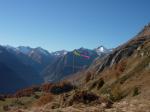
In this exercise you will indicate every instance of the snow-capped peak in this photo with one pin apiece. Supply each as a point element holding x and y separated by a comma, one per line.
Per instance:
<point>60,53</point>
<point>101,49</point>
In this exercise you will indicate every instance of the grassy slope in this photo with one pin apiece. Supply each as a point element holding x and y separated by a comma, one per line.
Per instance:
<point>23,102</point>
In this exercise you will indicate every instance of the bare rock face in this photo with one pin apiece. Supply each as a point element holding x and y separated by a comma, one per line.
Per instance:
<point>126,50</point>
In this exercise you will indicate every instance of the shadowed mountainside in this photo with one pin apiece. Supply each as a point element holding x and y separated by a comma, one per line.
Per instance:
<point>70,64</point>
<point>116,82</point>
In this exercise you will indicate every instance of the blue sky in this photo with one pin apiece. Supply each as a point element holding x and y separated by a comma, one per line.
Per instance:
<point>70,24</point>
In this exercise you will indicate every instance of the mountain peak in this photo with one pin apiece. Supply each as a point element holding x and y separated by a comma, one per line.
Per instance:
<point>101,49</point>
<point>148,25</point>
<point>24,49</point>
<point>39,48</point>
<point>60,53</point>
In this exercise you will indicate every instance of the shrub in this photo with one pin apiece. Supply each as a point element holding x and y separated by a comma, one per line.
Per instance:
<point>84,97</point>
<point>136,91</point>
<point>100,83</point>
<point>62,87</point>
<point>2,98</point>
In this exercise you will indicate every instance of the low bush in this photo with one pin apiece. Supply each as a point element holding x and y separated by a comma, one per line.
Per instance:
<point>136,91</point>
<point>84,97</point>
<point>100,83</point>
<point>62,87</point>
<point>2,98</point>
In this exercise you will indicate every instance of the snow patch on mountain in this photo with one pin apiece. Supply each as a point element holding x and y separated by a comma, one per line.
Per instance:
<point>60,53</point>
<point>102,50</point>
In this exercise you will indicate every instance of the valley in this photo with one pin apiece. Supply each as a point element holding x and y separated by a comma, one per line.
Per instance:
<point>114,81</point>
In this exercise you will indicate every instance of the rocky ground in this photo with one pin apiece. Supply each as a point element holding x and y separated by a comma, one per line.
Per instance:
<point>134,105</point>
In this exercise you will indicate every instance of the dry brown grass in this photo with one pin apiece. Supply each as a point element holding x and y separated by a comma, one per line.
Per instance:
<point>46,87</point>
<point>45,99</point>
<point>26,92</point>
<point>88,76</point>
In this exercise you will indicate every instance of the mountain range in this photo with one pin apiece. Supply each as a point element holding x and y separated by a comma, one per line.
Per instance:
<point>32,66</point>
<point>69,64</point>
<point>96,80</point>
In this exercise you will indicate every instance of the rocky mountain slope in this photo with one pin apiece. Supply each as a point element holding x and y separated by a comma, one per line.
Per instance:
<point>126,64</point>
<point>38,57</point>
<point>71,63</point>
<point>26,66</point>
<point>117,82</point>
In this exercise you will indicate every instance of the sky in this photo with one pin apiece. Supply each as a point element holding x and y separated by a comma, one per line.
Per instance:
<point>70,24</point>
